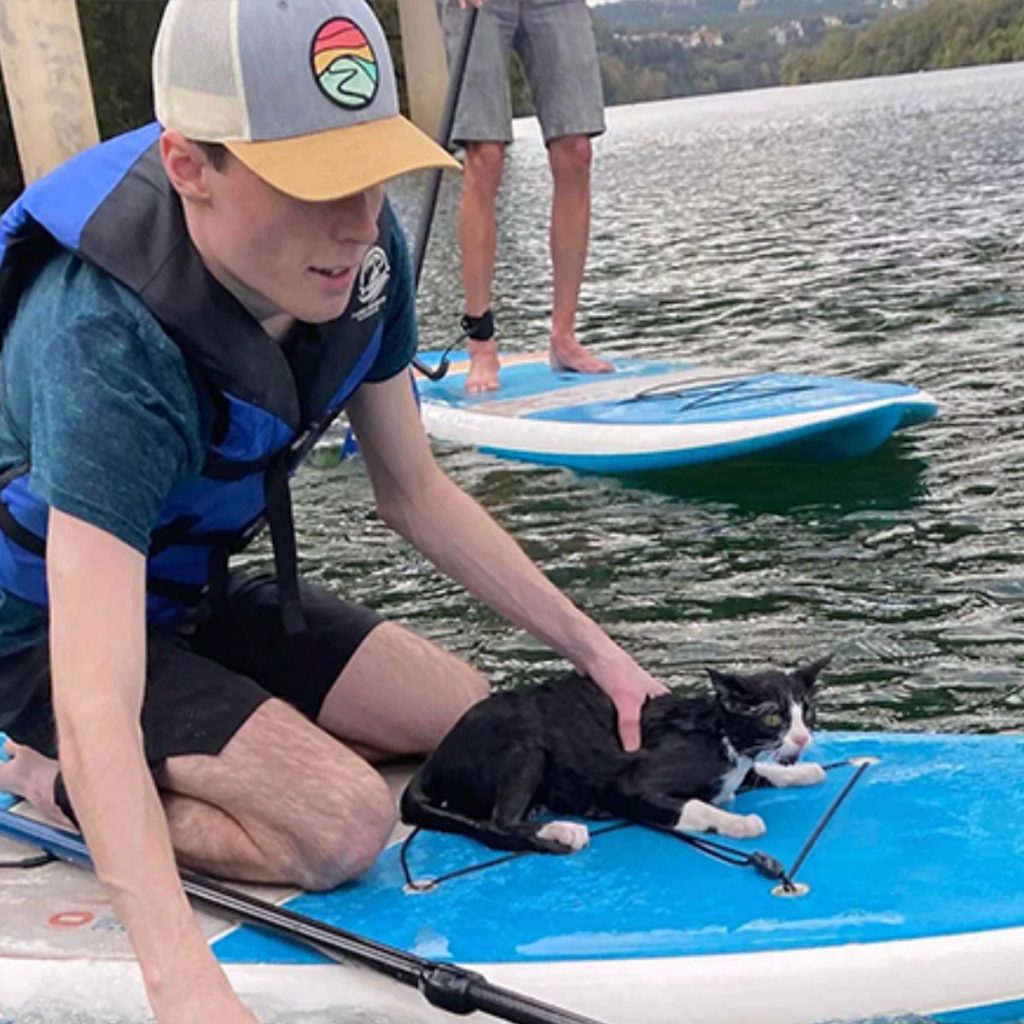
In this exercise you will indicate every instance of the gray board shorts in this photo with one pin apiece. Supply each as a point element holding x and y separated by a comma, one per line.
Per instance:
<point>554,40</point>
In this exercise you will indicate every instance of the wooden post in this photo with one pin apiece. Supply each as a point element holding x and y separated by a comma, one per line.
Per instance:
<point>426,69</point>
<point>47,82</point>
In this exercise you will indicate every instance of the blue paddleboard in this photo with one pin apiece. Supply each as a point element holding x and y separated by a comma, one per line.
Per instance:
<point>910,904</point>
<point>660,415</point>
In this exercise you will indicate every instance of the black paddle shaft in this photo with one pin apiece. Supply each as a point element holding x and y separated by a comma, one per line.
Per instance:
<point>446,986</point>
<point>444,138</point>
<point>451,102</point>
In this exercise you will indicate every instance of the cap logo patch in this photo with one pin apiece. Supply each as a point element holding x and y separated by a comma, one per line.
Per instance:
<point>344,64</point>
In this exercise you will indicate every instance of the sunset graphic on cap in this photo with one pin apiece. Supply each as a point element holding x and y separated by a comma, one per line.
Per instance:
<point>344,63</point>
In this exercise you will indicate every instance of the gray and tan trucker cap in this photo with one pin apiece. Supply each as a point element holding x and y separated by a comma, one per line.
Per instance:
<point>302,91</point>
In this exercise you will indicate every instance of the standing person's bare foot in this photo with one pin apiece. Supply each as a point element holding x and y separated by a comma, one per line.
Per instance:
<point>30,775</point>
<point>483,366</point>
<point>568,354</point>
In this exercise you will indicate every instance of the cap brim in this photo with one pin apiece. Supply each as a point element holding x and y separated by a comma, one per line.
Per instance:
<point>342,161</point>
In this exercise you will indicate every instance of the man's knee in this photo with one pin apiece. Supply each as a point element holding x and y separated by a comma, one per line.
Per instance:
<point>571,156</point>
<point>349,831</point>
<point>485,162</point>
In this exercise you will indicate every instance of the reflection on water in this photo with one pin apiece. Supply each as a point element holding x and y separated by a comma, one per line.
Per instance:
<point>865,228</point>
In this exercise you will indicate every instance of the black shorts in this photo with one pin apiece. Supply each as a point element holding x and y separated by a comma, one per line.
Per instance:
<point>204,680</point>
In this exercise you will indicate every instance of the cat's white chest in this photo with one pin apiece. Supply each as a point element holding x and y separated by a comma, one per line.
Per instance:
<point>733,777</point>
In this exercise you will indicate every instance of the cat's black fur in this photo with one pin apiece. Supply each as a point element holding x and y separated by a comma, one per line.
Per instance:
<point>555,747</point>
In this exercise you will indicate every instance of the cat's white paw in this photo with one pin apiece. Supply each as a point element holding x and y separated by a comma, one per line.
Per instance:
<point>809,774</point>
<point>569,834</point>
<point>742,826</point>
<point>784,775</point>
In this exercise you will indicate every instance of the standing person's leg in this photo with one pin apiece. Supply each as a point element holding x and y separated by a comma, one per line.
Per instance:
<point>570,156</point>
<point>478,244</point>
<point>560,56</point>
<point>483,126</point>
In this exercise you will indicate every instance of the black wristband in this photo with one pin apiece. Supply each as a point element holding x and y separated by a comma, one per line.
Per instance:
<point>479,328</point>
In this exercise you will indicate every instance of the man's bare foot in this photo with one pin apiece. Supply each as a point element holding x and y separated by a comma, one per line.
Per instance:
<point>568,354</point>
<point>30,775</point>
<point>483,366</point>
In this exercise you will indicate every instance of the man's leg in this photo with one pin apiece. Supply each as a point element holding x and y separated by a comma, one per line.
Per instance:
<point>560,57</point>
<point>30,775</point>
<point>283,802</point>
<point>478,242</point>
<point>287,802</point>
<point>570,158</point>
<point>426,691</point>
<point>483,124</point>
<point>252,788</point>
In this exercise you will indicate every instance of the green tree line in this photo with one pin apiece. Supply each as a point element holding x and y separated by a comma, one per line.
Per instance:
<point>944,34</point>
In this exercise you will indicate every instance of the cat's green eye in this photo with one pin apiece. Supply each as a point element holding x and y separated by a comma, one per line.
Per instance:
<point>773,719</point>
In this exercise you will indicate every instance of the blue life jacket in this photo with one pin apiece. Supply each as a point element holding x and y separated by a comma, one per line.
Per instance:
<point>114,207</point>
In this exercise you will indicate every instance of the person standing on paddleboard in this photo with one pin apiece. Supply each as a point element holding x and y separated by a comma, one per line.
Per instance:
<point>555,41</point>
<point>183,309</point>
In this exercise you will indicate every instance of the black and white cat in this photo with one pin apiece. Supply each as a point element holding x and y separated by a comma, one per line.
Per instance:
<point>555,747</point>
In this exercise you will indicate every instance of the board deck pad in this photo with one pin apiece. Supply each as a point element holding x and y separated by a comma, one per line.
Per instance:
<point>925,844</point>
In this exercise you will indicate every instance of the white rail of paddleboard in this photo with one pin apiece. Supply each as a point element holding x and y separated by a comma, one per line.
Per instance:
<point>557,437</point>
<point>922,976</point>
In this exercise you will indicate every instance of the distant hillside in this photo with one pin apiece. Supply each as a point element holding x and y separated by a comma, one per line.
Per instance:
<point>667,15</point>
<point>945,34</point>
<point>656,49</point>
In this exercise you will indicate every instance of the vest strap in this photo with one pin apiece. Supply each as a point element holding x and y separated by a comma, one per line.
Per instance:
<point>282,535</point>
<point>219,468</point>
<point>21,535</point>
<point>188,594</point>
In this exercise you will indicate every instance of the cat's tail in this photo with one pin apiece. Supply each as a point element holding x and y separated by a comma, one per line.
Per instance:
<point>419,809</point>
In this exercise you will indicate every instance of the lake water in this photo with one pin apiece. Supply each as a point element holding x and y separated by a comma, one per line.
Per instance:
<point>871,228</point>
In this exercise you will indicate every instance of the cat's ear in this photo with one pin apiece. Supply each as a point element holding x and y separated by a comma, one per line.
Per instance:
<point>808,674</point>
<point>729,687</point>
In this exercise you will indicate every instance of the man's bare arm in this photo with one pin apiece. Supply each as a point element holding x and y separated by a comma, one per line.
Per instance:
<point>417,500</point>
<point>98,652</point>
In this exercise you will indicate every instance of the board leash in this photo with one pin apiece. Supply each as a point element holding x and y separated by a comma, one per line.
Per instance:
<point>765,864</point>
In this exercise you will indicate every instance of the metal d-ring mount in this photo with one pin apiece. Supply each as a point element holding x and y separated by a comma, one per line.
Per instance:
<point>791,889</point>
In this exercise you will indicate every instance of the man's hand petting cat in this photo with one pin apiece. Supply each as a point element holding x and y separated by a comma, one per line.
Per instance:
<point>629,687</point>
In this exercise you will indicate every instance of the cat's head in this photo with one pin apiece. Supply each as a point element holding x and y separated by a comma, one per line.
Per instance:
<point>769,711</point>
